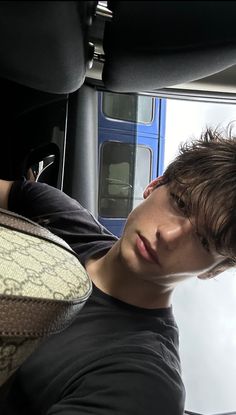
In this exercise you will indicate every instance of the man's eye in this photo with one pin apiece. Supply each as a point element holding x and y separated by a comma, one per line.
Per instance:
<point>204,243</point>
<point>179,203</point>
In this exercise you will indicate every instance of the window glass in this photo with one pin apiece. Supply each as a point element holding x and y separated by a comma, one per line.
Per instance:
<point>205,310</point>
<point>125,172</point>
<point>126,107</point>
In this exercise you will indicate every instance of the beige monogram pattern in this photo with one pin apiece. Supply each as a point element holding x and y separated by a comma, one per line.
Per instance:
<point>13,352</point>
<point>42,288</point>
<point>34,267</point>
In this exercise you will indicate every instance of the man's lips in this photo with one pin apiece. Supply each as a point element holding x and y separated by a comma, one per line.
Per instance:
<point>146,250</point>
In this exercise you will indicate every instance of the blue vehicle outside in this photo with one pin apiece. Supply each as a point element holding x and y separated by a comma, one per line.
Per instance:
<point>131,139</point>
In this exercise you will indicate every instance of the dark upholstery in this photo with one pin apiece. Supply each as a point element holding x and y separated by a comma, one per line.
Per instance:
<point>155,44</point>
<point>43,44</point>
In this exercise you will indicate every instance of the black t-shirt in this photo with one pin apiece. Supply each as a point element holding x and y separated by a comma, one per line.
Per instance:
<point>115,358</point>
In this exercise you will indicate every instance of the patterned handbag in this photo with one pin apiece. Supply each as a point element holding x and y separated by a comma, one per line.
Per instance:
<point>42,288</point>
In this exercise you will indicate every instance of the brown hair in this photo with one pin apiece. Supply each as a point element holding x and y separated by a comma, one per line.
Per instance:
<point>204,176</point>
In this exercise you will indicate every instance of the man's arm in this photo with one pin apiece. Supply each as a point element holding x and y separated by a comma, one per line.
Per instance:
<point>59,213</point>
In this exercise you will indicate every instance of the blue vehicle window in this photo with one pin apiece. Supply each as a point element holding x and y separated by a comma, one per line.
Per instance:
<point>131,144</point>
<point>125,172</point>
<point>126,107</point>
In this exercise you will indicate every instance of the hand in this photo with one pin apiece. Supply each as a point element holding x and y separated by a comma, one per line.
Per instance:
<point>5,187</point>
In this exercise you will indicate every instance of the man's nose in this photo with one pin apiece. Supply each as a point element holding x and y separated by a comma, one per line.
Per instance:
<point>172,233</point>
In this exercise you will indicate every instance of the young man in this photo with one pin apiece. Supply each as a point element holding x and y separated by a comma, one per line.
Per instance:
<point>120,356</point>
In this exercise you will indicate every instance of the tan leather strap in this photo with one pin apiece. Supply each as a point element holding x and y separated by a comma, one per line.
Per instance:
<point>17,222</point>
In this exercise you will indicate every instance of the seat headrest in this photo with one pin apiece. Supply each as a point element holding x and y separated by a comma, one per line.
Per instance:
<point>150,45</point>
<point>43,44</point>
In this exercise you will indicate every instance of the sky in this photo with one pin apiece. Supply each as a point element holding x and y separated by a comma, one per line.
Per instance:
<point>205,310</point>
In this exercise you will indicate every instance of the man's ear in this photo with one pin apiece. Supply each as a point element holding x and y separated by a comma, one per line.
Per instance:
<point>216,270</point>
<point>153,185</point>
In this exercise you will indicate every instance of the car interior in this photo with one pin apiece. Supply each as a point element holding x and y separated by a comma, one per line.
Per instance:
<point>56,56</point>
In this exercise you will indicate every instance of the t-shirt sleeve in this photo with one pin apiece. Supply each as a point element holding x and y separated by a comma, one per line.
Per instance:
<point>139,387</point>
<point>62,215</point>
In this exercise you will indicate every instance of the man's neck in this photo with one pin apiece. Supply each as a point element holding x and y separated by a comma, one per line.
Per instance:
<point>110,276</point>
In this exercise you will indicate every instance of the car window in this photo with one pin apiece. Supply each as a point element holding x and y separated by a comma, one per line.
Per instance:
<point>124,174</point>
<point>128,107</point>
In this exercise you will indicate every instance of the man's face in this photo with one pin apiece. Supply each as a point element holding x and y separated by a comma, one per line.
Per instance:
<point>160,243</point>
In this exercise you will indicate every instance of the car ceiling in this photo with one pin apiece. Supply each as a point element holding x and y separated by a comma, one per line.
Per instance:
<point>173,46</point>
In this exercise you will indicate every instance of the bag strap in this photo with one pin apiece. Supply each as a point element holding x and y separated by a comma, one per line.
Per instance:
<point>37,317</point>
<point>19,223</point>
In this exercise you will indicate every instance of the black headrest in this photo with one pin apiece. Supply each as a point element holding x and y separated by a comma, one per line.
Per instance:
<point>154,44</point>
<point>43,44</point>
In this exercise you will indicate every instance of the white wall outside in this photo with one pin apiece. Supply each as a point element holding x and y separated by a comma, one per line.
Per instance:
<point>205,310</point>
